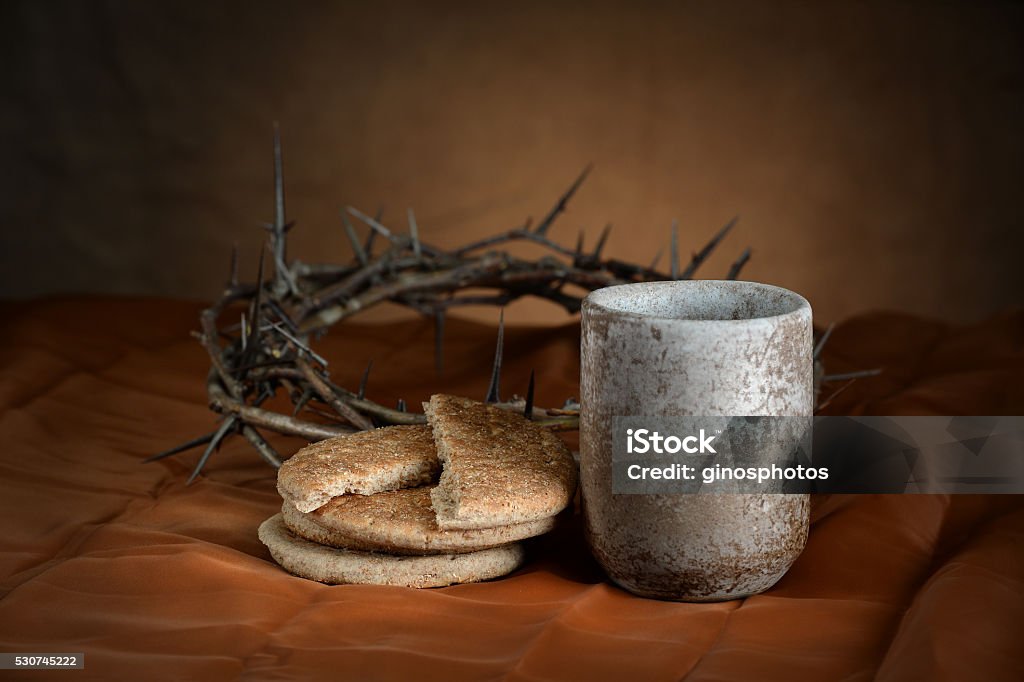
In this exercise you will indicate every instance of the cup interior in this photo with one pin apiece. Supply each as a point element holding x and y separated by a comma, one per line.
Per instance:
<point>699,300</point>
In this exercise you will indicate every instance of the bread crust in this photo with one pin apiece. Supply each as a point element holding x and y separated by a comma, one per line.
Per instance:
<point>339,566</point>
<point>498,467</point>
<point>362,463</point>
<point>399,522</point>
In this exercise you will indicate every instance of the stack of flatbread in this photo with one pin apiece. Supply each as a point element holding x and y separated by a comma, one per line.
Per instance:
<point>421,506</point>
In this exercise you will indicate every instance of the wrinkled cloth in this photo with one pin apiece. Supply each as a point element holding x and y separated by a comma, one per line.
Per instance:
<point>155,580</point>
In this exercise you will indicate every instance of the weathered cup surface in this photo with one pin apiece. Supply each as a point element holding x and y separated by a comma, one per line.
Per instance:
<point>701,348</point>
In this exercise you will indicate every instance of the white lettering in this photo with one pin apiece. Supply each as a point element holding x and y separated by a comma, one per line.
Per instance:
<point>642,441</point>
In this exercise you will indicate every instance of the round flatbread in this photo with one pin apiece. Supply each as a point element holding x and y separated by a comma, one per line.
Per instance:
<point>498,467</point>
<point>362,463</point>
<point>398,522</point>
<point>306,528</point>
<point>339,566</point>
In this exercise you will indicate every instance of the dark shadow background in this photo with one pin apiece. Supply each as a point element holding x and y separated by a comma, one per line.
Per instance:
<point>873,150</point>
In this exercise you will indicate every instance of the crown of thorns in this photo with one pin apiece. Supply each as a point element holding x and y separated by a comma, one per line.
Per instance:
<point>259,335</point>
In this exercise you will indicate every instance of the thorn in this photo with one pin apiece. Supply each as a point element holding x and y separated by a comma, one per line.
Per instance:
<point>579,245</point>
<point>214,443</point>
<point>700,256</point>
<point>373,224</point>
<point>734,271</point>
<point>528,409</point>
<point>302,347</point>
<point>278,181</point>
<point>822,341</point>
<point>493,391</point>
<point>282,315</point>
<point>657,258</point>
<point>245,333</point>
<point>376,226</point>
<point>372,237</point>
<point>265,450</point>
<point>828,401</point>
<point>439,320</point>
<point>195,442</point>
<point>401,405</point>
<point>350,232</point>
<point>861,374</point>
<point>283,278</point>
<point>254,311</point>
<point>365,380</point>
<point>674,250</point>
<point>414,234</point>
<point>307,394</point>
<point>264,395</point>
<point>601,241</point>
<point>233,269</point>
<point>560,205</point>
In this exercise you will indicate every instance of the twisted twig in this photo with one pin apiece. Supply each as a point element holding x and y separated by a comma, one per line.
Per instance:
<point>267,347</point>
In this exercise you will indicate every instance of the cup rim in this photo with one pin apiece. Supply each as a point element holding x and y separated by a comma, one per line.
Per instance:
<point>599,299</point>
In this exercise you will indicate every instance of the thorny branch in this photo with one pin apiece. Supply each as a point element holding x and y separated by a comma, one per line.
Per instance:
<point>267,347</point>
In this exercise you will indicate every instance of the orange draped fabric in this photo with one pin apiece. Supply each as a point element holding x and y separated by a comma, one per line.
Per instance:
<point>155,580</point>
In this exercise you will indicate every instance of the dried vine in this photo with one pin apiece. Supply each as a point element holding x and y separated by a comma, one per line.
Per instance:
<point>267,347</point>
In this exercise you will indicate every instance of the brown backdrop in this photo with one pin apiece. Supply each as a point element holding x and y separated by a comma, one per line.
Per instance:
<point>872,150</point>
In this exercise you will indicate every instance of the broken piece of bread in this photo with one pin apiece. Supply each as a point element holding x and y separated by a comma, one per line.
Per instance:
<point>363,463</point>
<point>498,467</point>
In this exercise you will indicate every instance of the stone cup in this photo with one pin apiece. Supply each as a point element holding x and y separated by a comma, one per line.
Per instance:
<point>691,348</point>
